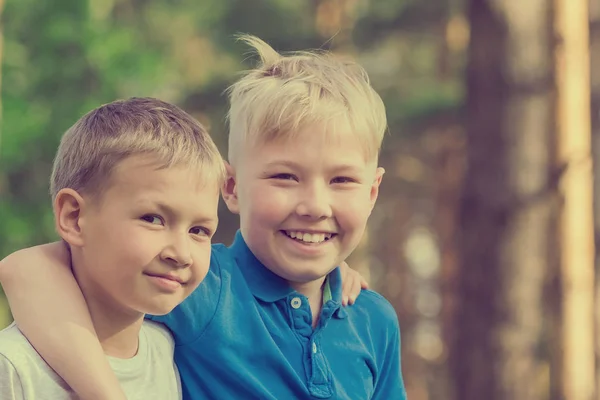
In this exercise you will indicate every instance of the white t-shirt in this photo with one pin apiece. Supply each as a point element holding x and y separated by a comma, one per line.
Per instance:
<point>150,374</point>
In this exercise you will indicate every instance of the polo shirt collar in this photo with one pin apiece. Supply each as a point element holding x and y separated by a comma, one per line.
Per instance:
<point>263,283</point>
<point>333,285</point>
<point>270,287</point>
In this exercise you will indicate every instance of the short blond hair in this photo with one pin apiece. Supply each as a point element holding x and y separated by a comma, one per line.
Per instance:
<point>285,93</point>
<point>96,143</point>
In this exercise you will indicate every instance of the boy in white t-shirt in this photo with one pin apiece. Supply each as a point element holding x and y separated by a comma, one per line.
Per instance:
<point>135,189</point>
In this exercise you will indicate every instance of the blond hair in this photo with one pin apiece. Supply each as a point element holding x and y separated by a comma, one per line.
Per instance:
<point>285,93</point>
<point>102,138</point>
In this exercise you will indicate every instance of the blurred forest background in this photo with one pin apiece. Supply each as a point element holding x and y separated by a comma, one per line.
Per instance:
<point>483,237</point>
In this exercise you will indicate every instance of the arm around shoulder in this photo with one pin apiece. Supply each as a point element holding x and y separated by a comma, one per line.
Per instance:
<point>50,309</point>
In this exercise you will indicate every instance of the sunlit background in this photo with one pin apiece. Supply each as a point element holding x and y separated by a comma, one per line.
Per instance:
<point>488,105</point>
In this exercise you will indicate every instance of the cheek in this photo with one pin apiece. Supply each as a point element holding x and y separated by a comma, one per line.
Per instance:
<point>266,203</point>
<point>352,210</point>
<point>199,268</point>
<point>131,246</point>
<point>201,263</point>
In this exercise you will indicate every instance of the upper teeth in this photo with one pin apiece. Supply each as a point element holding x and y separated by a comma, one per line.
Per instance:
<point>309,237</point>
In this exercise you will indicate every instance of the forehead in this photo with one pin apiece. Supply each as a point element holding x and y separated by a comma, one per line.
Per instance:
<point>333,142</point>
<point>143,176</point>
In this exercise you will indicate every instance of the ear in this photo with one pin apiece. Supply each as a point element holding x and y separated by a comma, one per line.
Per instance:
<point>68,210</point>
<point>375,186</point>
<point>229,190</point>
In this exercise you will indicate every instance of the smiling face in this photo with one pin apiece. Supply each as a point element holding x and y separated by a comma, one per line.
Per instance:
<point>145,244</point>
<point>304,202</point>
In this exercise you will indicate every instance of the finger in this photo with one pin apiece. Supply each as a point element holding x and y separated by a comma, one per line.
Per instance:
<point>363,283</point>
<point>345,291</point>
<point>345,285</point>
<point>355,292</point>
<point>345,288</point>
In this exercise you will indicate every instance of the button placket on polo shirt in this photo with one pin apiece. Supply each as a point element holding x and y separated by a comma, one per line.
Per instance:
<point>301,317</point>
<point>320,383</point>
<point>316,367</point>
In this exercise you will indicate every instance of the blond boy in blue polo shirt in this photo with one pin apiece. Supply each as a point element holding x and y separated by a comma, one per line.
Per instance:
<point>267,321</point>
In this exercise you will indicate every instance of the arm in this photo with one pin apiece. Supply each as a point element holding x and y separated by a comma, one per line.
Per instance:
<point>43,293</point>
<point>11,387</point>
<point>389,384</point>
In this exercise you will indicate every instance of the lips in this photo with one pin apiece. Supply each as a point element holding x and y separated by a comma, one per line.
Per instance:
<point>170,277</point>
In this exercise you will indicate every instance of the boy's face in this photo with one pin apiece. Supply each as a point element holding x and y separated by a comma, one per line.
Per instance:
<point>146,243</point>
<point>304,202</point>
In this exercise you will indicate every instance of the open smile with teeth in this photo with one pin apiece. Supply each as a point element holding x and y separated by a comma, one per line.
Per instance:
<point>306,237</point>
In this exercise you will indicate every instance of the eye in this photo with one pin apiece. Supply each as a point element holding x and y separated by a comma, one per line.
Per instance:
<point>343,179</point>
<point>153,219</point>
<point>285,177</point>
<point>200,231</point>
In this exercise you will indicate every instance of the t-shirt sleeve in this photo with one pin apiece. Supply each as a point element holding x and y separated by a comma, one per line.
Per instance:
<point>188,321</point>
<point>389,383</point>
<point>11,387</point>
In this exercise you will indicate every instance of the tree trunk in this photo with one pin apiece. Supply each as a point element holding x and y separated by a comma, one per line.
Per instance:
<point>595,107</point>
<point>506,206</point>
<point>576,216</point>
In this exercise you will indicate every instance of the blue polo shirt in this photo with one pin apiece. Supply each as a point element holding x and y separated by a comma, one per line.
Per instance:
<point>246,334</point>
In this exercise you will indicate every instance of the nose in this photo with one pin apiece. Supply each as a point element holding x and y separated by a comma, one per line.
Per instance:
<point>177,252</point>
<point>314,202</point>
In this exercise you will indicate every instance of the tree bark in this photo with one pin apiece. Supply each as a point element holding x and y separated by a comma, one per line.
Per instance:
<point>506,205</point>
<point>576,230</point>
<point>595,117</point>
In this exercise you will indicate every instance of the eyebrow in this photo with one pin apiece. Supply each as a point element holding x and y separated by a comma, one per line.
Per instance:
<point>294,165</point>
<point>283,163</point>
<point>170,211</point>
<point>346,168</point>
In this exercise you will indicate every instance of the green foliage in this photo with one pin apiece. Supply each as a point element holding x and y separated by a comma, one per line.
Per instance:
<point>64,57</point>
<point>61,58</point>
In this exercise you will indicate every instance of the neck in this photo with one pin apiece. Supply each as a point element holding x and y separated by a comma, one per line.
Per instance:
<point>313,290</point>
<point>116,326</point>
<point>118,333</point>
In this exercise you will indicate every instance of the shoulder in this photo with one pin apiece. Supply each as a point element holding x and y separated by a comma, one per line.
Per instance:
<point>22,370</point>
<point>11,385</point>
<point>15,346</point>
<point>220,255</point>
<point>375,310</point>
